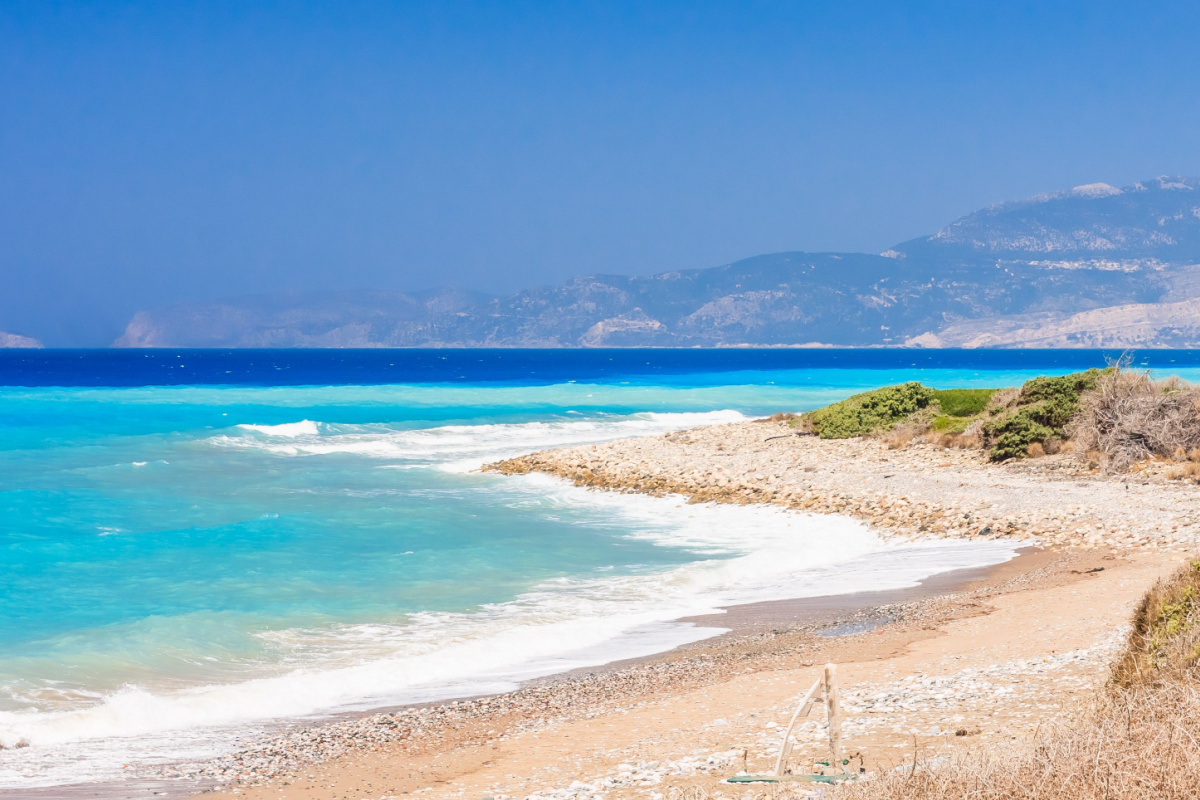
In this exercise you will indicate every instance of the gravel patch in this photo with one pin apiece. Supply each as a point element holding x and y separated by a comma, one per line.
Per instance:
<point>920,490</point>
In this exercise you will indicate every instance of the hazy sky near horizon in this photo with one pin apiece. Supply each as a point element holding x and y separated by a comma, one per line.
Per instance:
<point>155,153</point>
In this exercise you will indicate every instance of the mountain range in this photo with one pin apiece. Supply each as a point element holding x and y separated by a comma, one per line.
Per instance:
<point>1088,267</point>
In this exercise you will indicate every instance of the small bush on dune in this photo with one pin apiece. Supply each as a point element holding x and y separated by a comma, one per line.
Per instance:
<point>882,410</point>
<point>1130,417</point>
<point>1110,417</point>
<point>1165,641</point>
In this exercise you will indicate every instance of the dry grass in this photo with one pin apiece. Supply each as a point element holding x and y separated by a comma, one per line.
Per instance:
<point>1164,644</point>
<point>960,441</point>
<point>1189,471</point>
<point>1136,744</point>
<point>1128,418</point>
<point>1141,738</point>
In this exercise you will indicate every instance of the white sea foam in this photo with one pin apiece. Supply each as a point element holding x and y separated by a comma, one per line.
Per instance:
<point>288,430</point>
<point>459,448</point>
<point>745,554</point>
<point>758,553</point>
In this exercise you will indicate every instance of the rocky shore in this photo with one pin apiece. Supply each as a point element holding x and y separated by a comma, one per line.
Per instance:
<point>917,490</point>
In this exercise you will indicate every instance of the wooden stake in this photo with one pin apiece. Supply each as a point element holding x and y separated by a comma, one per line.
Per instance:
<point>801,711</point>
<point>833,713</point>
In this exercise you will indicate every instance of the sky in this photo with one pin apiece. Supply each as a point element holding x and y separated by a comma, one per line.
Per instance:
<point>161,153</point>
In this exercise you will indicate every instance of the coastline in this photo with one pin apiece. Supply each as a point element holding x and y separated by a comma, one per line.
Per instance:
<point>498,745</point>
<point>756,632</point>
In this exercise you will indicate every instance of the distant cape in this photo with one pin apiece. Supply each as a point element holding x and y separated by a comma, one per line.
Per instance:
<point>15,340</point>
<point>1093,266</point>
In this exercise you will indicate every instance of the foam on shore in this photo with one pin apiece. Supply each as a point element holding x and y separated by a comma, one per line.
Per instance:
<point>742,554</point>
<point>757,553</point>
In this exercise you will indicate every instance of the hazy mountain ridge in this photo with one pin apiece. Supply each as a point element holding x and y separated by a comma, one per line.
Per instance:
<point>991,278</point>
<point>325,319</point>
<point>16,340</point>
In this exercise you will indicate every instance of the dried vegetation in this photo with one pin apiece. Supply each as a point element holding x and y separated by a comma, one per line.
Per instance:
<point>1141,738</point>
<point>1111,418</point>
<point>1128,418</point>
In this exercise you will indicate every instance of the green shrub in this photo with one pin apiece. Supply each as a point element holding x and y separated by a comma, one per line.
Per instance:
<point>1040,412</point>
<point>962,402</point>
<point>870,412</point>
<point>1011,435</point>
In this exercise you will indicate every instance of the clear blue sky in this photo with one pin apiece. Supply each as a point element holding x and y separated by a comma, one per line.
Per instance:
<point>153,153</point>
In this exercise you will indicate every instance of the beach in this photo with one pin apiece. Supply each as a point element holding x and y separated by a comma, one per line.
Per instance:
<point>964,660</point>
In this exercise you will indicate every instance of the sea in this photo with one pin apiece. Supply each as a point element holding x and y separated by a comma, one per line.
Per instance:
<point>199,546</point>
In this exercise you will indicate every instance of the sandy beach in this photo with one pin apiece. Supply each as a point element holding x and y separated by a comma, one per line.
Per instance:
<point>965,659</point>
<point>994,659</point>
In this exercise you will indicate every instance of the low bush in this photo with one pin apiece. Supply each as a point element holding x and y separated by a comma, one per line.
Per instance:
<point>1165,641</point>
<point>870,412</point>
<point>1114,416</point>
<point>1039,413</point>
<point>881,410</point>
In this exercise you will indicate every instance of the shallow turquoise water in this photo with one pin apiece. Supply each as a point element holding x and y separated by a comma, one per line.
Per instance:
<point>180,562</point>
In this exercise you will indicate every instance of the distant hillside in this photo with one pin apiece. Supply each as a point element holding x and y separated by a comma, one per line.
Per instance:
<point>14,340</point>
<point>1092,266</point>
<point>326,319</point>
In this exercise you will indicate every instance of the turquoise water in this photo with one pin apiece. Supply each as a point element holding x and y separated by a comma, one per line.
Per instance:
<point>181,563</point>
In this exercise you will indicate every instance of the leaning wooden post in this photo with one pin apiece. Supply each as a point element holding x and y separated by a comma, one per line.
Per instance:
<point>801,711</point>
<point>833,713</point>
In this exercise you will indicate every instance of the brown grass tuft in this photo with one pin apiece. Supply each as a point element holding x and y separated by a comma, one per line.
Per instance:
<point>1035,450</point>
<point>1189,471</point>
<point>960,441</point>
<point>781,416</point>
<point>1136,744</point>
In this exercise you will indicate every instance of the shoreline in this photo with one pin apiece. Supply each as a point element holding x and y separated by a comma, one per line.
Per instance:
<point>1102,541</point>
<point>920,490</point>
<point>467,742</point>
<point>748,624</point>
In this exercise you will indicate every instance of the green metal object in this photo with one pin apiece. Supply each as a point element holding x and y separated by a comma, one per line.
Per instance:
<point>791,778</point>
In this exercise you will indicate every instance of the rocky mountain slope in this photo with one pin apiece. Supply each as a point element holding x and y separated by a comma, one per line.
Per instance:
<point>1092,266</point>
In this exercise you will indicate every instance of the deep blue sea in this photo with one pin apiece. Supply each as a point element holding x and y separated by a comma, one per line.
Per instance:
<point>199,544</point>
